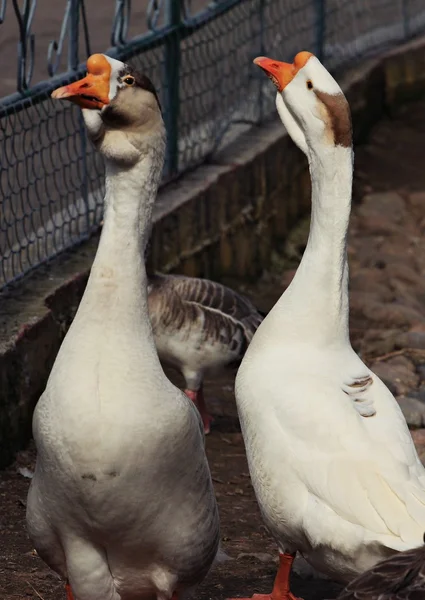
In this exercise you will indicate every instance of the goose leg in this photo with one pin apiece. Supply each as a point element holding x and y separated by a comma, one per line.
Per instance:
<point>281,589</point>
<point>69,595</point>
<point>197,397</point>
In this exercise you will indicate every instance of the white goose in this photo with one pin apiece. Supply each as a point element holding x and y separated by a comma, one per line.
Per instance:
<point>121,503</point>
<point>334,467</point>
<point>199,326</point>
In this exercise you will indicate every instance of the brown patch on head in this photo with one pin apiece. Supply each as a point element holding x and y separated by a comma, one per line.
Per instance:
<point>143,82</point>
<point>136,104</point>
<point>337,116</point>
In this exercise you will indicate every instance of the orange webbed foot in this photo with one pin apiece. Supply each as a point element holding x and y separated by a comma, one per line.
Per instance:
<point>198,400</point>
<point>281,589</point>
<point>69,595</point>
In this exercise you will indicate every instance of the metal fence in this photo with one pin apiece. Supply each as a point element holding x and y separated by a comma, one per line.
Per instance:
<point>198,54</point>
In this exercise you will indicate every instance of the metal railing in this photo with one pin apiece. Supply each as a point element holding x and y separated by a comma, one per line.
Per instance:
<point>198,54</point>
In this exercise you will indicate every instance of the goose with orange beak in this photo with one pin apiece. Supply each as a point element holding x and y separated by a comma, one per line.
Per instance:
<point>332,462</point>
<point>188,315</point>
<point>121,504</point>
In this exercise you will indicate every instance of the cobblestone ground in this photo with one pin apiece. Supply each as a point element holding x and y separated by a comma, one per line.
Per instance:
<point>387,289</point>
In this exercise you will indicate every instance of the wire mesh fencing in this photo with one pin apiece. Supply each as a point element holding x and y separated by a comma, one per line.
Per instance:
<point>199,56</point>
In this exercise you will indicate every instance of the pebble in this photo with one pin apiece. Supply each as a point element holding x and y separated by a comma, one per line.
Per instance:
<point>419,394</point>
<point>25,472</point>
<point>369,280</point>
<point>378,342</point>
<point>406,274</point>
<point>418,436</point>
<point>413,411</point>
<point>415,339</point>
<point>378,225</point>
<point>398,374</point>
<point>261,556</point>
<point>385,375</point>
<point>417,200</point>
<point>391,314</point>
<point>390,204</point>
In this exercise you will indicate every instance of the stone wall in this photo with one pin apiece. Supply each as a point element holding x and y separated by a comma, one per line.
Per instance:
<point>220,221</point>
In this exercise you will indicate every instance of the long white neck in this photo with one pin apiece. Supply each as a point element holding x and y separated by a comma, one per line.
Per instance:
<point>315,306</point>
<point>116,293</point>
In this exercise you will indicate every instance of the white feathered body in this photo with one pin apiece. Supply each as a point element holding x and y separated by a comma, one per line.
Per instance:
<point>342,488</point>
<point>122,502</point>
<point>333,464</point>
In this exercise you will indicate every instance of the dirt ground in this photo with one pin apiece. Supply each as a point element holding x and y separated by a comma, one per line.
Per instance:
<point>388,307</point>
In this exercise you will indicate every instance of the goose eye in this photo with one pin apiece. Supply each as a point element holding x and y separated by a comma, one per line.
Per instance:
<point>309,85</point>
<point>129,80</point>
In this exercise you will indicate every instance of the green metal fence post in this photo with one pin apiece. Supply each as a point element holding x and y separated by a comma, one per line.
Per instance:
<point>320,7</point>
<point>74,25</point>
<point>261,53</point>
<point>73,62</point>
<point>171,81</point>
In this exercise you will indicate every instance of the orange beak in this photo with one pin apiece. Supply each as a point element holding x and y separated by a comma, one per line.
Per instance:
<point>93,90</point>
<point>282,73</point>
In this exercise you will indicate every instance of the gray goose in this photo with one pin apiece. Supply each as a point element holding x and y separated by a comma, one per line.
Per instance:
<point>199,326</point>
<point>400,577</point>
<point>122,503</point>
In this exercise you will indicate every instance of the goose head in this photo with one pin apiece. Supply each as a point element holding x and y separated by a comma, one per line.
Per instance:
<point>120,108</point>
<point>310,103</point>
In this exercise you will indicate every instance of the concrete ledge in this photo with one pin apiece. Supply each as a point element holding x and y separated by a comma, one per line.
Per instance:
<point>219,221</point>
